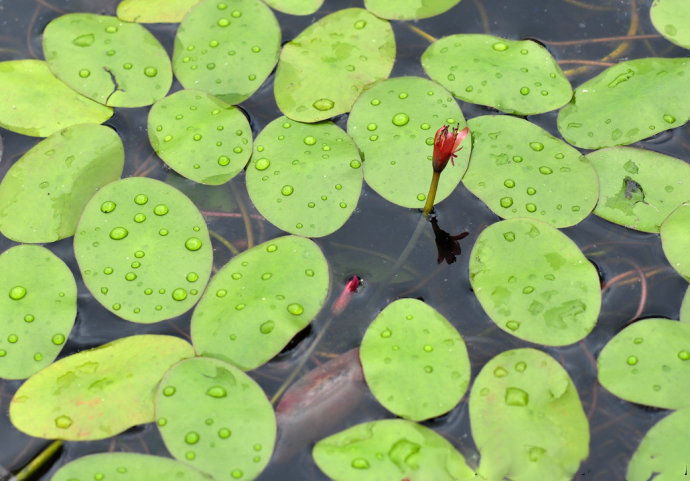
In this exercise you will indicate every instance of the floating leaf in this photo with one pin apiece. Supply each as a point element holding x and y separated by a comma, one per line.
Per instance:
<point>231,430</point>
<point>85,396</point>
<point>648,363</point>
<point>200,136</point>
<point>259,300</point>
<point>394,123</point>
<point>520,170</point>
<point>305,179</point>
<point>639,188</point>
<point>295,7</point>
<point>129,466</point>
<point>672,19</point>
<point>685,307</point>
<point>414,361</point>
<point>534,282</point>
<point>38,311</point>
<point>116,63</point>
<point>34,102</point>
<point>143,250</point>
<point>408,9</point>
<point>675,239</point>
<point>515,76</point>
<point>44,192</point>
<point>324,69</point>
<point>226,48</point>
<point>628,102</point>
<point>527,419</point>
<point>154,11</point>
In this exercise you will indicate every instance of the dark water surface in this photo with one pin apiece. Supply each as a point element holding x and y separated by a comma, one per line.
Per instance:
<point>375,235</point>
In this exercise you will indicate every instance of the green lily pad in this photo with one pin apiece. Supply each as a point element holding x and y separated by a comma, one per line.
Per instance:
<point>685,307</point>
<point>628,102</point>
<point>34,102</point>
<point>662,455</point>
<point>520,170</point>
<point>515,76</point>
<point>200,136</point>
<point>323,70</point>
<point>410,340</point>
<point>305,179</point>
<point>295,7</point>
<point>408,9</point>
<point>226,48</point>
<point>527,419</point>
<point>38,311</point>
<point>534,282</point>
<point>44,192</point>
<point>129,466</point>
<point>672,19</point>
<point>259,300</point>
<point>143,250</point>
<point>648,363</point>
<point>116,63</point>
<point>390,449</point>
<point>154,11</point>
<point>394,123</point>
<point>675,239</point>
<point>83,396</point>
<point>639,188</point>
<point>231,430</point>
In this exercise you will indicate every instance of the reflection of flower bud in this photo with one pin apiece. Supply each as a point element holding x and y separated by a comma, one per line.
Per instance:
<point>446,144</point>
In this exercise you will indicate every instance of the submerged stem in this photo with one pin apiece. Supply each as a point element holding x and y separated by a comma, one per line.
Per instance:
<point>39,461</point>
<point>432,193</point>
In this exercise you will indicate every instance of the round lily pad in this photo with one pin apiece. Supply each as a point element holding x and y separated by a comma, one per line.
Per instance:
<point>639,188</point>
<point>154,11</point>
<point>98,393</point>
<point>628,102</point>
<point>34,102</point>
<point>227,48</point>
<point>37,312</point>
<point>305,179</point>
<point>514,76</point>
<point>534,282</point>
<point>394,123</point>
<point>520,170</point>
<point>44,192</point>
<point>648,363</point>
<point>200,136</point>
<point>259,300</point>
<point>116,63</point>
<point>143,250</point>
<point>527,419</point>
<point>295,7</point>
<point>685,307</point>
<point>410,340</point>
<point>390,449</point>
<point>323,70</point>
<point>408,9</point>
<point>672,19</point>
<point>231,430</point>
<point>127,466</point>
<point>675,239</point>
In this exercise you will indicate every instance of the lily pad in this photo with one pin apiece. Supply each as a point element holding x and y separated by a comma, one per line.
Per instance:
<point>305,179</point>
<point>143,250</point>
<point>227,48</point>
<point>323,70</point>
<point>520,170</point>
<point>116,63</point>
<point>648,363</point>
<point>515,76</point>
<point>37,313</point>
<point>34,102</point>
<point>200,136</point>
<point>639,188</point>
<point>390,449</point>
<point>44,192</point>
<point>408,9</point>
<point>527,419</point>
<point>675,239</point>
<point>295,7</point>
<point>154,11</point>
<point>662,455</point>
<point>129,466</point>
<point>685,307</point>
<point>628,102</point>
<point>259,300</point>
<point>414,361</point>
<point>534,282</point>
<point>394,123</point>
<point>231,430</point>
<point>83,396</point>
<point>672,19</point>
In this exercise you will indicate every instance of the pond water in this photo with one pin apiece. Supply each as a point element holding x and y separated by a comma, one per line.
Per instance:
<point>368,244</point>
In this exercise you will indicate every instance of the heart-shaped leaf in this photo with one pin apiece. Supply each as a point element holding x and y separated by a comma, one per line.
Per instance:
<point>672,19</point>
<point>408,9</point>
<point>154,11</point>
<point>675,239</point>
